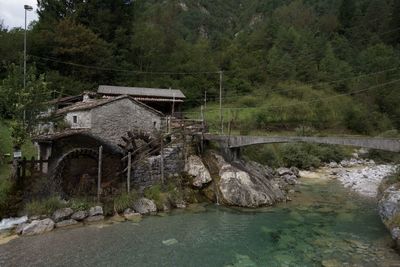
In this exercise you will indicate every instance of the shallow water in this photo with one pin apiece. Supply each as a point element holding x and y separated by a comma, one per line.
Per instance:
<point>325,224</point>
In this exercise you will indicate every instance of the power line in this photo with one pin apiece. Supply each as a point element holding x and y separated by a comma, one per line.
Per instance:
<point>123,70</point>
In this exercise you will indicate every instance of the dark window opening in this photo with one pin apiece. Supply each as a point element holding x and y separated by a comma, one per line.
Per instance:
<point>75,119</point>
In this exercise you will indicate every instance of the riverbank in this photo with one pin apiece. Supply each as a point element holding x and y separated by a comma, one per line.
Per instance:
<point>320,227</point>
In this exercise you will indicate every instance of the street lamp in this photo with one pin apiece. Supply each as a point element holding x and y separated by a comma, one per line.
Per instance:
<point>27,8</point>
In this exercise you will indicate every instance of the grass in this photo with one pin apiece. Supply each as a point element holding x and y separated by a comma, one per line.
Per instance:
<point>125,201</point>
<point>44,207</point>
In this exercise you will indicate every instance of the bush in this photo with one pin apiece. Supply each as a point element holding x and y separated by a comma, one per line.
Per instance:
<point>80,204</point>
<point>156,194</point>
<point>5,194</point>
<point>125,201</point>
<point>44,207</point>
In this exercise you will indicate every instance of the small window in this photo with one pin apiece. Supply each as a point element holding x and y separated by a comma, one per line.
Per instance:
<point>75,119</point>
<point>154,124</point>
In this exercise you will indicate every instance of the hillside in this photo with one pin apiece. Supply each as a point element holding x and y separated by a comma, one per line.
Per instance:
<point>323,64</point>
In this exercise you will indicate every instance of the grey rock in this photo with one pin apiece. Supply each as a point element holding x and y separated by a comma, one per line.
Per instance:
<point>20,228</point>
<point>196,168</point>
<point>95,218</point>
<point>290,179</point>
<point>79,215</point>
<point>284,171</point>
<point>295,171</point>
<point>97,210</point>
<point>145,206</point>
<point>132,216</point>
<point>38,227</point>
<point>333,165</point>
<point>66,223</point>
<point>62,214</point>
<point>395,233</point>
<point>389,205</point>
<point>245,188</point>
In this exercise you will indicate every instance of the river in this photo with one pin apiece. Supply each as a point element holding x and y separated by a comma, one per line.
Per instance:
<point>324,225</point>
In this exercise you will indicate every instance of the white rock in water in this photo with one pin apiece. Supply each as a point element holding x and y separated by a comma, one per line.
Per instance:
<point>11,223</point>
<point>239,188</point>
<point>170,242</point>
<point>196,168</point>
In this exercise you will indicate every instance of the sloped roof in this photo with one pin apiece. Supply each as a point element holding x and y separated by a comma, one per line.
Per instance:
<point>94,103</point>
<point>140,91</point>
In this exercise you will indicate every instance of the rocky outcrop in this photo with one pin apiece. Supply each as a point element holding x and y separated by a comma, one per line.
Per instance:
<point>389,210</point>
<point>246,188</point>
<point>196,168</point>
<point>62,214</point>
<point>38,227</point>
<point>144,206</point>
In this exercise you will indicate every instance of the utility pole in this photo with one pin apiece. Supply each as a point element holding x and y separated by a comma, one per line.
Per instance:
<point>99,173</point>
<point>220,102</point>
<point>26,8</point>
<point>128,176</point>
<point>205,99</point>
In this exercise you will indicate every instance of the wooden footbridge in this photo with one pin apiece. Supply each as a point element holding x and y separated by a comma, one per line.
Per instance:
<point>234,143</point>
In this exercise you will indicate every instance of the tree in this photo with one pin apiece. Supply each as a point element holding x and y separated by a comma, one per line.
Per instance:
<point>347,11</point>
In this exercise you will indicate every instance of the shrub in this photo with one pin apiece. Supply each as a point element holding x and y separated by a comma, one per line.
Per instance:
<point>125,201</point>
<point>44,207</point>
<point>78,204</point>
<point>5,194</point>
<point>298,156</point>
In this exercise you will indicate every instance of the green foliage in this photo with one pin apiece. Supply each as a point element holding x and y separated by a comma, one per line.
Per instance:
<point>303,156</point>
<point>78,204</point>
<point>45,206</point>
<point>5,195</point>
<point>124,201</point>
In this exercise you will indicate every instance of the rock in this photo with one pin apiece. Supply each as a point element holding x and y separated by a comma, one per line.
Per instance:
<point>245,188</point>
<point>93,211</point>
<point>389,205</point>
<point>62,214</point>
<point>20,228</point>
<point>196,168</point>
<point>95,218</point>
<point>38,227</point>
<point>170,242</point>
<point>130,215</point>
<point>145,206</point>
<point>284,171</point>
<point>11,223</point>
<point>295,171</point>
<point>290,179</point>
<point>180,205</point>
<point>333,165</point>
<point>117,218</point>
<point>395,233</point>
<point>79,215</point>
<point>66,223</point>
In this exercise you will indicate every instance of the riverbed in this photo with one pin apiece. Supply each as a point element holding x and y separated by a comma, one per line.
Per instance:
<point>324,225</point>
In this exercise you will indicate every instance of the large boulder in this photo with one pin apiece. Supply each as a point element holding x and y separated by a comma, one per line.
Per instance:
<point>389,205</point>
<point>38,227</point>
<point>144,206</point>
<point>79,215</point>
<point>245,188</point>
<point>62,214</point>
<point>196,168</point>
<point>94,211</point>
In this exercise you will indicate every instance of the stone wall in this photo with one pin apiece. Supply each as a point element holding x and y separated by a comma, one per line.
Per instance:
<point>148,172</point>
<point>83,119</point>
<point>114,120</point>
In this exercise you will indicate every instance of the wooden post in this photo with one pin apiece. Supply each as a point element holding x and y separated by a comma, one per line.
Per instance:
<point>162,160</point>
<point>99,173</point>
<point>202,130</point>
<point>128,176</point>
<point>23,168</point>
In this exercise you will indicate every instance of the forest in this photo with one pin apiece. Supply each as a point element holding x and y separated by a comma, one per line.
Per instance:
<point>327,65</point>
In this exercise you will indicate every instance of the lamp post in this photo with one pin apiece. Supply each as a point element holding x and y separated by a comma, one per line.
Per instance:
<point>27,8</point>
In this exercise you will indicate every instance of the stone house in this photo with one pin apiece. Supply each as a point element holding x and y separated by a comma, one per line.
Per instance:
<point>111,118</point>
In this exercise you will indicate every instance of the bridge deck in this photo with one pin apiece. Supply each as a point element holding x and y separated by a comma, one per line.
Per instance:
<point>386,144</point>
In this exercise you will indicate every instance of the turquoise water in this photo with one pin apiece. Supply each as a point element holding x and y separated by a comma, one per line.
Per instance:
<point>325,224</point>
